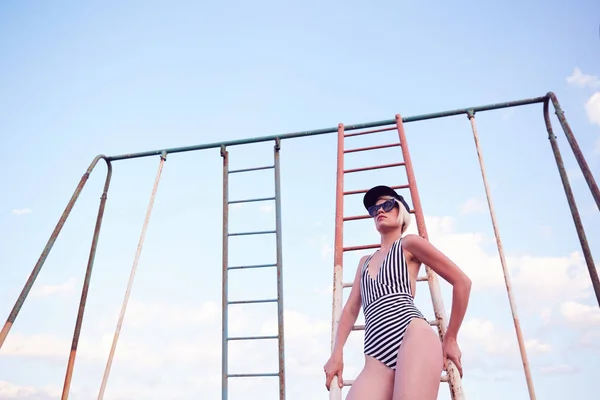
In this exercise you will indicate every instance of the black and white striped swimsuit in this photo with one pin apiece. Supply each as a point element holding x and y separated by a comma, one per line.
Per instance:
<point>388,305</point>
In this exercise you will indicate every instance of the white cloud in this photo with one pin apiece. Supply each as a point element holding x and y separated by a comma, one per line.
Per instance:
<point>559,369</point>
<point>48,290</point>
<point>21,211</point>
<point>578,78</point>
<point>580,314</point>
<point>266,208</point>
<point>474,206</point>
<point>11,391</point>
<point>592,108</point>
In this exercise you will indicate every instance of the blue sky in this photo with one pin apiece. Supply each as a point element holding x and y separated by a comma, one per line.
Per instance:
<point>85,79</point>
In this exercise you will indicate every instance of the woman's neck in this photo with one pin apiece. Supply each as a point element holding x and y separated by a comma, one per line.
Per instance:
<point>388,238</point>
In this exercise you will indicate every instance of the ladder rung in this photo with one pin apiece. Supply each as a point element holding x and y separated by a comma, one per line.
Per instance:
<point>252,301</point>
<point>253,337</point>
<point>346,285</point>
<point>251,200</point>
<point>235,171</point>
<point>434,322</point>
<point>252,375</point>
<point>358,328</point>
<point>383,146</point>
<point>365,190</point>
<point>371,131</point>
<point>363,247</point>
<point>253,266</point>
<point>444,378</point>
<point>251,233</point>
<point>422,278</point>
<point>348,171</point>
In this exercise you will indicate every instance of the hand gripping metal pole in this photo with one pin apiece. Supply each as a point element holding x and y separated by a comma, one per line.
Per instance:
<point>509,291</point>
<point>111,355</point>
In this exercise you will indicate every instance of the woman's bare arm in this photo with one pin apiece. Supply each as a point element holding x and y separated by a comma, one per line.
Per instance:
<point>427,254</point>
<point>349,313</point>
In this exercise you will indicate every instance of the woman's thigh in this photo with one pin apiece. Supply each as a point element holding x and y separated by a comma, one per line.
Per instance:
<point>420,363</point>
<point>375,382</point>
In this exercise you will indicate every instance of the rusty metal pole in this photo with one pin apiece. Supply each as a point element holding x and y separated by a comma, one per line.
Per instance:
<point>509,290</point>
<point>225,273</point>
<point>585,247</point>
<point>454,380</point>
<point>335,393</point>
<point>280,308</point>
<point>85,288</point>
<point>111,355</point>
<point>42,259</point>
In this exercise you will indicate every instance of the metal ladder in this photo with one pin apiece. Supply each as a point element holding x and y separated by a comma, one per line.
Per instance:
<point>452,376</point>
<point>226,269</point>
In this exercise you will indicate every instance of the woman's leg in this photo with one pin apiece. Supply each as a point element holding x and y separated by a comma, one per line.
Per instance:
<point>375,382</point>
<point>420,363</point>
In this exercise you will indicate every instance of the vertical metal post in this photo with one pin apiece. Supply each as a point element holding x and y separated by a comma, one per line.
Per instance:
<point>509,291</point>
<point>585,247</point>
<point>42,259</point>
<point>225,257</point>
<point>454,380</point>
<point>335,392</point>
<point>85,288</point>
<point>280,326</point>
<point>163,158</point>
<point>585,169</point>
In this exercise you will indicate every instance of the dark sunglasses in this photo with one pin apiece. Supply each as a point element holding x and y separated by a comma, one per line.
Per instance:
<point>387,206</point>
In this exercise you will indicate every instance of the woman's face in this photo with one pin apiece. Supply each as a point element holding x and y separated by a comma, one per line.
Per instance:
<point>385,214</point>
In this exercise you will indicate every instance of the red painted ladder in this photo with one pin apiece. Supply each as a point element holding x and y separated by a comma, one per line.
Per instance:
<point>451,376</point>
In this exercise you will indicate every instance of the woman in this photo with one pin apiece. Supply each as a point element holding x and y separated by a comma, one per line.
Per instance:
<point>404,358</point>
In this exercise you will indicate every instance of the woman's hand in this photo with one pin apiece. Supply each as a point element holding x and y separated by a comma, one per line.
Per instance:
<point>452,352</point>
<point>334,367</point>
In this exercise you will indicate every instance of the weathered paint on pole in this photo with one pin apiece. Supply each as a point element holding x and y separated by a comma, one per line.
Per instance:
<point>42,259</point>
<point>136,260</point>
<point>454,381</point>
<point>280,308</point>
<point>505,272</point>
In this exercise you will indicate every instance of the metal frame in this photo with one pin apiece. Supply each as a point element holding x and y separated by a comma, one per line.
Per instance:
<point>545,100</point>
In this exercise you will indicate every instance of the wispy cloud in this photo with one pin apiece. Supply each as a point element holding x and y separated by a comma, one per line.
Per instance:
<point>21,211</point>
<point>49,290</point>
<point>579,79</point>
<point>474,206</point>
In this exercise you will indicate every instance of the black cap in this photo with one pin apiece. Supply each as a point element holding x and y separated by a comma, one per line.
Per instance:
<point>378,191</point>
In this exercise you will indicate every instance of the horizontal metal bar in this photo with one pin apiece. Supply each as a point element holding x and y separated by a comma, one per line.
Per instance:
<point>347,285</point>
<point>422,278</point>
<point>235,171</point>
<point>434,322</point>
<point>253,375</point>
<point>365,190</point>
<point>349,171</point>
<point>363,247</point>
<point>253,337</point>
<point>370,131</point>
<point>253,266</point>
<point>315,132</point>
<point>251,233</point>
<point>444,378</point>
<point>251,200</point>
<point>358,328</point>
<point>381,146</point>
<point>252,301</point>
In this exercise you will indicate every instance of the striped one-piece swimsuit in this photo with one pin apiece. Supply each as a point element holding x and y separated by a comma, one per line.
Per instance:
<point>388,306</point>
